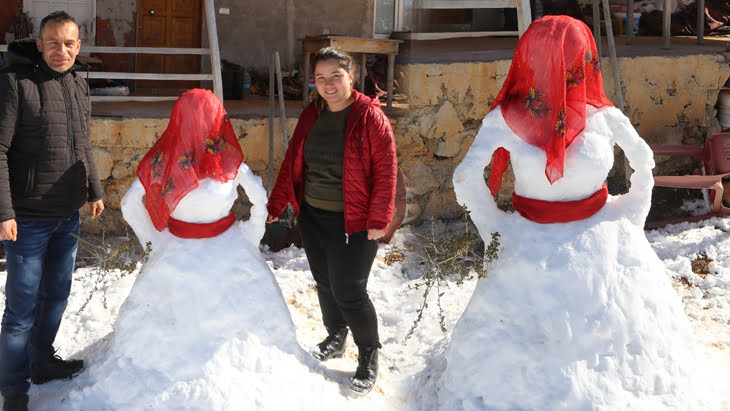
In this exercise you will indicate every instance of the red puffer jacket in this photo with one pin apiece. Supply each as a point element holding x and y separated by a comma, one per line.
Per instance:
<point>369,167</point>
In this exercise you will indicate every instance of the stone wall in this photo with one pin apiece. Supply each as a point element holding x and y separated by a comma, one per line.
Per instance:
<point>668,99</point>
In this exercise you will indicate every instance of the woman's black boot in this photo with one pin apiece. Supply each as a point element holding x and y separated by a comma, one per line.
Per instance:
<point>367,370</point>
<point>332,347</point>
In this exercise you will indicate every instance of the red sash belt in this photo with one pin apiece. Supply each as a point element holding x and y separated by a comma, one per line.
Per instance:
<point>183,229</point>
<point>546,212</point>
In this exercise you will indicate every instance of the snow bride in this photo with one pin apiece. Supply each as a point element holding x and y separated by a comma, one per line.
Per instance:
<point>205,325</point>
<point>576,312</point>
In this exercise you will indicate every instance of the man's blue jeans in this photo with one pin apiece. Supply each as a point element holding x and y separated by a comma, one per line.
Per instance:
<point>39,265</point>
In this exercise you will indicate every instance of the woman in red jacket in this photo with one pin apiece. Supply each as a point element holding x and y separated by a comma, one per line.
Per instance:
<point>339,174</point>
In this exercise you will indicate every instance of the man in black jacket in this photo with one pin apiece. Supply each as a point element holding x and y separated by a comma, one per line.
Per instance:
<point>47,173</point>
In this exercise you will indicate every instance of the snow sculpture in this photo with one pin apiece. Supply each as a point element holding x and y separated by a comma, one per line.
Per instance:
<point>576,312</point>
<point>205,325</point>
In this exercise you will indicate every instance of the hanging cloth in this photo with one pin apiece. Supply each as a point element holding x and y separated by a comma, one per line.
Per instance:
<point>199,143</point>
<point>555,73</point>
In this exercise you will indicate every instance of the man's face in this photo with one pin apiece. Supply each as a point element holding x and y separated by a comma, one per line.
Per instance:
<point>59,44</point>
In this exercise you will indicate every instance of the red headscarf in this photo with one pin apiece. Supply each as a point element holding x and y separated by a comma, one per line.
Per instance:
<point>199,143</point>
<point>555,72</point>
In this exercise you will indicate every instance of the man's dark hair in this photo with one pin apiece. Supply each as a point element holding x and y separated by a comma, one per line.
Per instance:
<point>58,17</point>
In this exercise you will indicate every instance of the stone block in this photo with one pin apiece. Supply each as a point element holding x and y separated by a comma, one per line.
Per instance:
<point>104,163</point>
<point>446,123</point>
<point>419,177</point>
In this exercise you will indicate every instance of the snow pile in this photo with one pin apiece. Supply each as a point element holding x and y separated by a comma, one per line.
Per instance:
<point>205,325</point>
<point>576,315</point>
<point>579,317</point>
<point>408,370</point>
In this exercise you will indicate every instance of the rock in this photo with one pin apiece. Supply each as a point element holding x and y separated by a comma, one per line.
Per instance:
<point>413,212</point>
<point>442,204</point>
<point>446,123</point>
<point>419,178</point>
<point>104,163</point>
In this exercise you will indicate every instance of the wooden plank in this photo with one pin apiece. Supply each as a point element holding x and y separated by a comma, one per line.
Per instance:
<point>145,50</point>
<point>466,4</point>
<point>100,99</point>
<point>524,15</point>
<point>352,45</point>
<point>215,58</point>
<point>451,35</point>
<point>147,76</point>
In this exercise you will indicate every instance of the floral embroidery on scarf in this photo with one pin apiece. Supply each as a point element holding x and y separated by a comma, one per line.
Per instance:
<point>186,160</point>
<point>214,145</point>
<point>575,76</point>
<point>157,163</point>
<point>560,123</point>
<point>168,188</point>
<point>593,61</point>
<point>534,103</point>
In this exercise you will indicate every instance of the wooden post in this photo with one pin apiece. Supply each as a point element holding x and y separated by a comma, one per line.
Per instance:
<point>363,71</point>
<point>629,21</point>
<point>524,16</point>
<point>282,107</point>
<point>612,52</point>
<point>215,57</point>
<point>700,21</point>
<point>391,74</point>
<point>597,26</point>
<point>272,90</point>
<point>305,86</point>
<point>666,30</point>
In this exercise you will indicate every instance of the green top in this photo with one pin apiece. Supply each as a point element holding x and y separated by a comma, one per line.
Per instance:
<point>324,151</point>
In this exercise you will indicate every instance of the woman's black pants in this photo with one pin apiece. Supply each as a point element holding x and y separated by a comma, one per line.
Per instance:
<point>341,267</point>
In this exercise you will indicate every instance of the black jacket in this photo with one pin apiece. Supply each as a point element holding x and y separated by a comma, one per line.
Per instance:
<point>47,169</point>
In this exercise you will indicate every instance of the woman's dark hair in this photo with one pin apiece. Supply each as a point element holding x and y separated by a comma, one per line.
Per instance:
<point>58,17</point>
<point>343,60</point>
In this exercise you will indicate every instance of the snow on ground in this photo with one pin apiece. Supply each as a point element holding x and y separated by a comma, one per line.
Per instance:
<point>408,368</point>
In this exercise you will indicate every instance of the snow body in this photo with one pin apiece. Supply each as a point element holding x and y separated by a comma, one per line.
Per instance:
<point>205,325</point>
<point>577,315</point>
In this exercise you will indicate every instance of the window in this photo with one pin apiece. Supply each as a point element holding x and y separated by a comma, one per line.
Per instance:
<point>392,15</point>
<point>83,11</point>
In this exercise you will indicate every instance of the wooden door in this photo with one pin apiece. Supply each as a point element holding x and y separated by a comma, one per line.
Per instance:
<point>168,23</point>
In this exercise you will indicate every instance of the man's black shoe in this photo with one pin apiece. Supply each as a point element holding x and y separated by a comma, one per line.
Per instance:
<point>57,369</point>
<point>15,402</point>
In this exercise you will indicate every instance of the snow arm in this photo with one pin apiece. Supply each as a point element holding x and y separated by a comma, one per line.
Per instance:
<point>136,215</point>
<point>257,196</point>
<point>469,185</point>
<point>637,201</point>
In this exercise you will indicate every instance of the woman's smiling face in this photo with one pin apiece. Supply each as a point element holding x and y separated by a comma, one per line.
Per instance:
<point>334,84</point>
